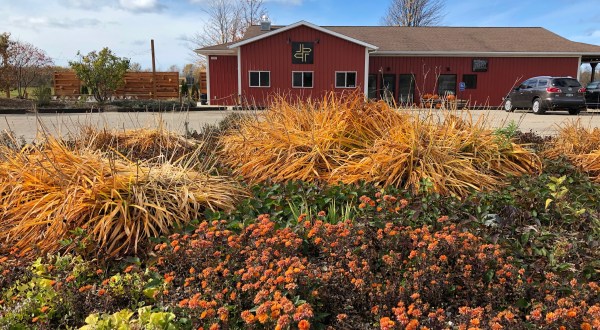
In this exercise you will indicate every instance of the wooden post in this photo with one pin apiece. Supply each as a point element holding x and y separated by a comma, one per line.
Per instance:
<point>153,70</point>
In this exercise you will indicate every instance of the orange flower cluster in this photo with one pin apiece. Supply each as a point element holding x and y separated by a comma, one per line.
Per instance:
<point>362,273</point>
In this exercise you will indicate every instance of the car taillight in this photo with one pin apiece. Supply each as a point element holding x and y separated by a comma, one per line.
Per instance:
<point>581,90</point>
<point>553,90</point>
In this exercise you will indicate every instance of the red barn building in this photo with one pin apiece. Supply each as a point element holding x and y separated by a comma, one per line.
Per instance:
<point>477,64</point>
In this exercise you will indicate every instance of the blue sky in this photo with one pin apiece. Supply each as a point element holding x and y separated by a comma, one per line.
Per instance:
<point>64,27</point>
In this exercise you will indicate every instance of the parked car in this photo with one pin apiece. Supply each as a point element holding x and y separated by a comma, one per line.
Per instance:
<point>592,95</point>
<point>547,93</point>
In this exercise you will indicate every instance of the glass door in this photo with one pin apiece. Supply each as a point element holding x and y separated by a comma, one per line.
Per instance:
<point>388,92</point>
<point>406,88</point>
<point>372,87</point>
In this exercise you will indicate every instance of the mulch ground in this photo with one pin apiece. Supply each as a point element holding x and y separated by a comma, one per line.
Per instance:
<point>15,104</point>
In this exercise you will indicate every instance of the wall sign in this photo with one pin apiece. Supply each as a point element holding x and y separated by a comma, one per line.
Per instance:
<point>480,65</point>
<point>303,52</point>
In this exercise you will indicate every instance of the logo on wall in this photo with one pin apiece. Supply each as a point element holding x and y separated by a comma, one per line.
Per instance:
<point>302,52</point>
<point>480,65</point>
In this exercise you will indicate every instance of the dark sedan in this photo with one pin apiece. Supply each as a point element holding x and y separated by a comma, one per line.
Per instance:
<point>592,95</point>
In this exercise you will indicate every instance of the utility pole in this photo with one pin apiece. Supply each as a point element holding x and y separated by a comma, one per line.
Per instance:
<point>153,70</point>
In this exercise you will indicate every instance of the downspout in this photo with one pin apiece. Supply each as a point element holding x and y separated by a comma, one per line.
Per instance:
<point>366,82</point>
<point>239,60</point>
<point>579,68</point>
<point>208,79</point>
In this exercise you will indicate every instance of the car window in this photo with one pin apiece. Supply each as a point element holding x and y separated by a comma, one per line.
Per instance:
<point>593,85</point>
<point>529,83</point>
<point>565,82</point>
<point>542,83</point>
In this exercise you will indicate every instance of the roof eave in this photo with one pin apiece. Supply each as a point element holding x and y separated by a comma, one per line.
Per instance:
<point>467,53</point>
<point>215,52</point>
<point>308,24</point>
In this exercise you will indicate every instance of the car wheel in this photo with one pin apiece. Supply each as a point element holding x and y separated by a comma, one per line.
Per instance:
<point>574,111</point>
<point>537,107</point>
<point>508,106</point>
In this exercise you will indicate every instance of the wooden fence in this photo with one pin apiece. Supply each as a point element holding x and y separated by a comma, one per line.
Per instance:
<point>137,85</point>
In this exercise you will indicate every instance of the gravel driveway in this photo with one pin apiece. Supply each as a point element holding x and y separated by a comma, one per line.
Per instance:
<point>29,125</point>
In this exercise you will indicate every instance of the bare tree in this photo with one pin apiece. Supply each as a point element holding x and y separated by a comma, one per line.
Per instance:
<point>414,13</point>
<point>29,63</point>
<point>252,11</point>
<point>135,67</point>
<point>227,21</point>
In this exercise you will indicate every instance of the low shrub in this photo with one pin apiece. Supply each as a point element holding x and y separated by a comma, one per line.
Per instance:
<point>356,275</point>
<point>42,95</point>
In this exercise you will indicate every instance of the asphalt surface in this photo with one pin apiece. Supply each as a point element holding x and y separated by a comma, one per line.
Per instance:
<point>29,126</point>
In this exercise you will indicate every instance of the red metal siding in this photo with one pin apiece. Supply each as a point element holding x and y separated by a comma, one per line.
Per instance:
<point>223,79</point>
<point>274,54</point>
<point>503,73</point>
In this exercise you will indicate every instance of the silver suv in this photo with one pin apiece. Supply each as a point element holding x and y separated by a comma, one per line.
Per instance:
<point>547,93</point>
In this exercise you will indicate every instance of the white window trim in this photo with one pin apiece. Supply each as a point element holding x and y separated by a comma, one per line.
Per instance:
<point>259,71</point>
<point>346,79</point>
<point>313,79</point>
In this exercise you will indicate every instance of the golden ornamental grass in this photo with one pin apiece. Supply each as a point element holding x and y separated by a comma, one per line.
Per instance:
<point>349,140</point>
<point>139,144</point>
<point>47,192</point>
<point>580,145</point>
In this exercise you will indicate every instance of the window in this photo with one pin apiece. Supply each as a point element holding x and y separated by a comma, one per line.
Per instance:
<point>260,79</point>
<point>447,84</point>
<point>406,88</point>
<point>345,79</point>
<point>542,83</point>
<point>529,83</point>
<point>302,79</point>
<point>470,81</point>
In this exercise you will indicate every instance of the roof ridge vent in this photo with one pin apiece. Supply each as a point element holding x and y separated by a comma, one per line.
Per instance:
<point>265,23</point>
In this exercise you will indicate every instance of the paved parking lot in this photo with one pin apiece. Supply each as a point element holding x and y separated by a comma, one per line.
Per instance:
<point>29,125</point>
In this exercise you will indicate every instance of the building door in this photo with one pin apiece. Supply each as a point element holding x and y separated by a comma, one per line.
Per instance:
<point>372,87</point>
<point>446,85</point>
<point>406,88</point>
<point>388,90</point>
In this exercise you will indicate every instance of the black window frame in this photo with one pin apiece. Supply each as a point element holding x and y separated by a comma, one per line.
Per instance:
<point>261,75</point>
<point>470,84</point>
<point>442,93</point>
<point>346,85</point>
<point>303,79</point>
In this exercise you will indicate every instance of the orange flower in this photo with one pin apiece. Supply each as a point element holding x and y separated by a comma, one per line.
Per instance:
<point>586,326</point>
<point>44,309</point>
<point>70,278</point>
<point>128,269</point>
<point>101,292</point>
<point>385,323</point>
<point>35,319</point>
<point>303,325</point>
<point>263,317</point>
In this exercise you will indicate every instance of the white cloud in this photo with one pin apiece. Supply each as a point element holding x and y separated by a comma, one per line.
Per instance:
<point>141,5</point>
<point>38,23</point>
<point>81,3</point>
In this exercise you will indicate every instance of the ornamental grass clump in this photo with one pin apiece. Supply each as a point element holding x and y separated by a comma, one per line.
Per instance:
<point>450,157</point>
<point>348,139</point>
<point>155,144</point>
<point>51,193</point>
<point>580,145</point>
<point>306,140</point>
